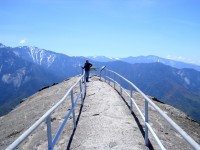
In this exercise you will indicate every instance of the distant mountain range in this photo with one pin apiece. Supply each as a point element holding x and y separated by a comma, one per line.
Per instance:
<point>25,70</point>
<point>147,59</point>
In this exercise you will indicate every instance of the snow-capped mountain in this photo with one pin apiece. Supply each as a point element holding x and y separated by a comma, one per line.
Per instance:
<point>58,64</point>
<point>36,55</point>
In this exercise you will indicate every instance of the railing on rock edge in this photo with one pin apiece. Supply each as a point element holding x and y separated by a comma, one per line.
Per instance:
<point>108,77</point>
<point>47,117</point>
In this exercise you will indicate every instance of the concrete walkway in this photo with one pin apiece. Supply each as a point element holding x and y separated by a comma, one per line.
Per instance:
<point>105,121</point>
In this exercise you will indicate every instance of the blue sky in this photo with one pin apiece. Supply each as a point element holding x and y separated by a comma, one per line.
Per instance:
<point>113,28</point>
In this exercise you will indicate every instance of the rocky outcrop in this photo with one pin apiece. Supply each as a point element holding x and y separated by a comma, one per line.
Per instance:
<point>105,121</point>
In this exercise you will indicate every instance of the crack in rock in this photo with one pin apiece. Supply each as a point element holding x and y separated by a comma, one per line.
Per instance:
<point>91,94</point>
<point>112,144</point>
<point>95,114</point>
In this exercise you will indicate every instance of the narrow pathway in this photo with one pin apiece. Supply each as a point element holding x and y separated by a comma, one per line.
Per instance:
<point>105,121</point>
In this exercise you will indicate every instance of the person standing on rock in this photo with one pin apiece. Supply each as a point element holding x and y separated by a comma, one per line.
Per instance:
<point>87,67</point>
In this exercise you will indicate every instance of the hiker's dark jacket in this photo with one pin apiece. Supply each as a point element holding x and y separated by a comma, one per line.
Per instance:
<point>87,66</point>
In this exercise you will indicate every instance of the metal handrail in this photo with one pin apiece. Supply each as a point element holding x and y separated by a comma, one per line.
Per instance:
<point>194,144</point>
<point>47,117</point>
<point>101,69</point>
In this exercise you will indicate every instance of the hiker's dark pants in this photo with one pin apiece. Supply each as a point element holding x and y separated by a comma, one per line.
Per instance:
<point>87,75</point>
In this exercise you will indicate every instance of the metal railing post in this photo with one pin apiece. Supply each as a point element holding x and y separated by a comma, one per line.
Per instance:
<point>146,121</point>
<point>49,134</point>
<point>73,113</point>
<point>102,68</point>
<point>114,77</point>
<point>81,90</point>
<point>100,74</point>
<point>105,76</point>
<point>82,73</point>
<point>121,86</point>
<point>109,78</point>
<point>85,87</point>
<point>131,102</point>
<point>82,70</point>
